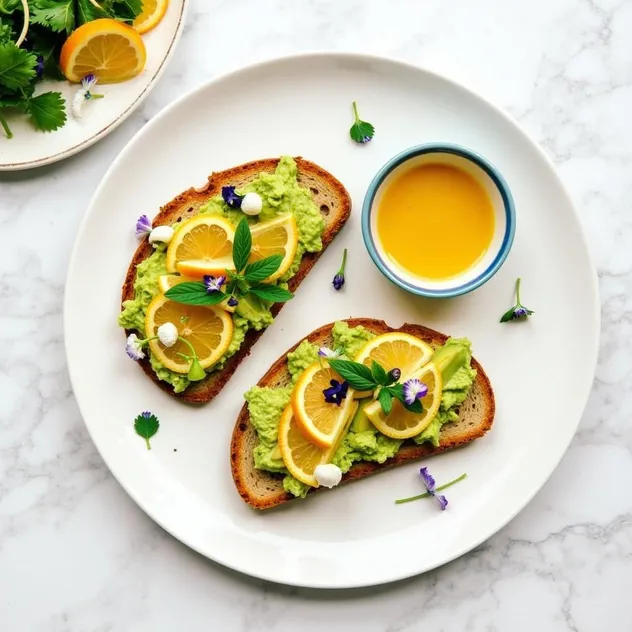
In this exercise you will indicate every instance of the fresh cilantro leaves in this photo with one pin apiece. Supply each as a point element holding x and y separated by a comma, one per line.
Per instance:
<point>47,111</point>
<point>57,15</point>
<point>17,67</point>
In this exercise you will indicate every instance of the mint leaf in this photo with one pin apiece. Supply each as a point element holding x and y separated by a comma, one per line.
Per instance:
<point>242,245</point>
<point>146,426</point>
<point>386,401</point>
<point>272,293</point>
<point>358,375</point>
<point>17,67</point>
<point>262,269</point>
<point>48,111</point>
<point>57,15</point>
<point>379,374</point>
<point>193,293</point>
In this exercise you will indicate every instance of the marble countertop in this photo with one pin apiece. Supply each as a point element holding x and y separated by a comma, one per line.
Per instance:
<point>77,555</point>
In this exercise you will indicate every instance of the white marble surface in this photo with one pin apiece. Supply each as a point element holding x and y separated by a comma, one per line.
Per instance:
<point>77,555</point>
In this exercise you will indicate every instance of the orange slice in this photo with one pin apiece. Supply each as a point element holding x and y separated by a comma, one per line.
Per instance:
<point>107,48</point>
<point>208,328</point>
<point>202,245</point>
<point>320,421</point>
<point>277,237</point>
<point>396,350</point>
<point>401,423</point>
<point>152,13</point>
<point>301,456</point>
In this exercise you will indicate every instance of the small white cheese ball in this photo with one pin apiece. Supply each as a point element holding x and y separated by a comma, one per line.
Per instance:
<point>161,233</point>
<point>252,204</point>
<point>168,334</point>
<point>328,475</point>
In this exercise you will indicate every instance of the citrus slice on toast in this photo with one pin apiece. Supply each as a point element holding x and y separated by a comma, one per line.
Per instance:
<point>276,237</point>
<point>396,350</point>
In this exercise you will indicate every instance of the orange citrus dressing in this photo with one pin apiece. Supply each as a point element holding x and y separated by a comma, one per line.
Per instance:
<point>435,221</point>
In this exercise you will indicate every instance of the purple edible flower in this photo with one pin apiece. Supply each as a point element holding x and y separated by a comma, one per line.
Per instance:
<point>339,279</point>
<point>430,484</point>
<point>213,284</point>
<point>39,67</point>
<point>146,414</point>
<point>518,311</point>
<point>143,226</point>
<point>413,390</point>
<point>233,302</point>
<point>134,347</point>
<point>231,198</point>
<point>394,374</point>
<point>336,393</point>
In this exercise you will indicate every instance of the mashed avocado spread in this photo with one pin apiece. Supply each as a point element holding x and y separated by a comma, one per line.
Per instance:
<point>266,405</point>
<point>281,194</point>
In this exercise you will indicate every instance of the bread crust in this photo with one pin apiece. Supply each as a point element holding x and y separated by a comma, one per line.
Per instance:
<point>335,206</point>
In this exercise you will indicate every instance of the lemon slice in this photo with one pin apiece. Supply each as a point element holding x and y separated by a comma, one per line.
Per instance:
<point>209,329</point>
<point>106,48</point>
<point>396,350</point>
<point>401,423</point>
<point>277,237</point>
<point>167,281</point>
<point>301,456</point>
<point>320,421</point>
<point>202,245</point>
<point>152,13</point>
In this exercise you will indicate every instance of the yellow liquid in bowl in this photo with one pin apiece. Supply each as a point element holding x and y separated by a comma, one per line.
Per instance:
<point>435,221</point>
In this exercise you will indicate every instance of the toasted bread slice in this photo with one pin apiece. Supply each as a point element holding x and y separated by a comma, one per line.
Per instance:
<point>263,490</point>
<point>335,206</point>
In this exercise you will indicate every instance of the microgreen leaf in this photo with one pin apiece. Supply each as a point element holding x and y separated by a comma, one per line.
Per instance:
<point>47,111</point>
<point>242,245</point>
<point>146,426</point>
<point>386,401</point>
<point>17,67</point>
<point>272,293</point>
<point>361,131</point>
<point>262,269</point>
<point>379,374</point>
<point>358,375</point>
<point>194,293</point>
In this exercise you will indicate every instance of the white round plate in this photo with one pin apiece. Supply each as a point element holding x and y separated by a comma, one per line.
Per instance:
<point>30,148</point>
<point>541,370</point>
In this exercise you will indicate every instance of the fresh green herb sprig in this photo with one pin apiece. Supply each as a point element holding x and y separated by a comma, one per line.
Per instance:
<point>31,36</point>
<point>146,426</point>
<point>247,278</point>
<point>362,378</point>
<point>361,131</point>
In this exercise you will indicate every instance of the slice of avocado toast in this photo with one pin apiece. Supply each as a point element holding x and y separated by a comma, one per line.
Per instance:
<point>466,413</point>
<point>320,205</point>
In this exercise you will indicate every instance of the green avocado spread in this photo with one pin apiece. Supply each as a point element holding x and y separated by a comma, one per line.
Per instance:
<point>281,194</point>
<point>362,442</point>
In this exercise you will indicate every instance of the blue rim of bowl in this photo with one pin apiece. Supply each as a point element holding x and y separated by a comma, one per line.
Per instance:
<point>489,169</point>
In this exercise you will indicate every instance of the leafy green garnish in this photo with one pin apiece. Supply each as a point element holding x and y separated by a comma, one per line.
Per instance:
<point>47,111</point>
<point>361,131</point>
<point>245,280</point>
<point>17,67</point>
<point>146,426</point>
<point>57,15</point>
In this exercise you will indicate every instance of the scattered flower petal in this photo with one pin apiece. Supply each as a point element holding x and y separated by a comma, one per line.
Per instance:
<point>336,393</point>
<point>134,347</point>
<point>168,334</point>
<point>143,226</point>
<point>414,389</point>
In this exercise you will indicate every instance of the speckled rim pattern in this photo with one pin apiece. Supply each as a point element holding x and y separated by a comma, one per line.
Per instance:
<point>439,148</point>
<point>112,125</point>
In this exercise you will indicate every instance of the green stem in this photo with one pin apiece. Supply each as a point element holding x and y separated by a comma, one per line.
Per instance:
<point>401,501</point>
<point>147,442</point>
<point>25,24</point>
<point>518,291</point>
<point>96,95</point>
<point>5,126</point>
<point>188,344</point>
<point>344,262</point>
<point>355,112</point>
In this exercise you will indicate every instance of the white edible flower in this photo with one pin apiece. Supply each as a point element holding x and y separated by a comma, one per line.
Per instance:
<point>161,233</point>
<point>328,475</point>
<point>84,94</point>
<point>134,347</point>
<point>168,334</point>
<point>252,204</point>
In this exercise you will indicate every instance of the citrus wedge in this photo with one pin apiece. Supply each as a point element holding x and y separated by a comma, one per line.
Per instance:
<point>320,421</point>
<point>202,245</point>
<point>401,423</point>
<point>301,456</point>
<point>276,237</point>
<point>396,350</point>
<point>106,48</point>
<point>209,329</point>
<point>153,11</point>
<point>167,281</point>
